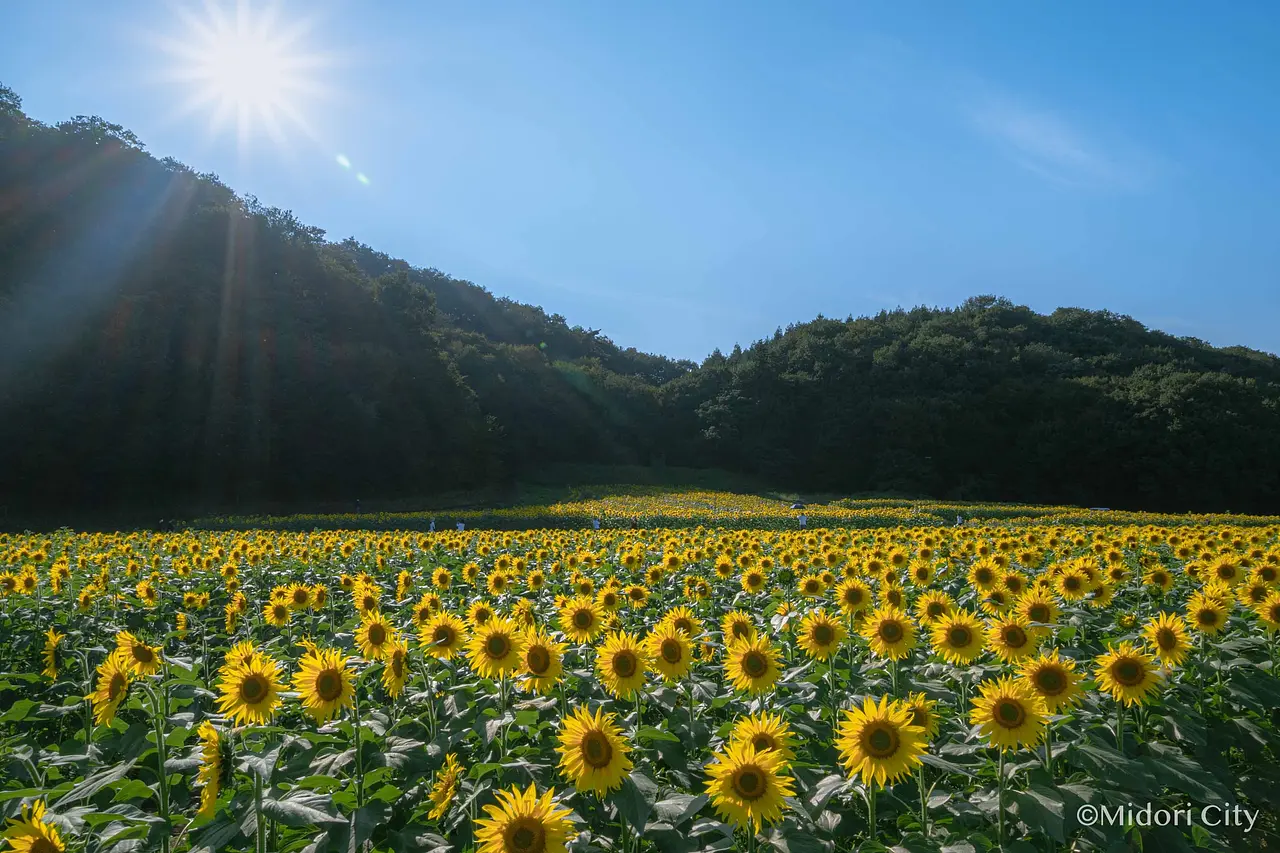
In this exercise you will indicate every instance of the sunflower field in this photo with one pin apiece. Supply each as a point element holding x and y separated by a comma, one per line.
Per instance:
<point>986,686</point>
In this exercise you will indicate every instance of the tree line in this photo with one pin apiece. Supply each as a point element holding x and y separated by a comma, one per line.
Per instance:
<point>166,342</point>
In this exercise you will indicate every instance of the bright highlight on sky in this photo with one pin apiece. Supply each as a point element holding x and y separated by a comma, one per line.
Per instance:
<point>687,176</point>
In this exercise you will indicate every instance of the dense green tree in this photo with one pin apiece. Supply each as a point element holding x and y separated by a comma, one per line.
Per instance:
<point>166,343</point>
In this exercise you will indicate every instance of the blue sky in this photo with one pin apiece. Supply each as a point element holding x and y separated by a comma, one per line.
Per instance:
<point>687,176</point>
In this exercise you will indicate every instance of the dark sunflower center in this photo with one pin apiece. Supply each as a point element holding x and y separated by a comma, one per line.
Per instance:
<point>1207,617</point>
<point>740,629</point>
<point>538,660</point>
<point>377,635</point>
<point>442,636</point>
<point>1050,682</point>
<point>1166,639</point>
<point>891,632</point>
<point>1128,672</point>
<point>582,620</point>
<point>811,587</point>
<point>497,646</point>
<point>823,634</point>
<point>525,835</point>
<point>684,624</point>
<point>300,596</point>
<point>329,685</point>
<point>1038,613</point>
<point>762,742</point>
<point>748,782</point>
<point>754,664</point>
<point>853,597</point>
<point>671,651</point>
<point>482,616</point>
<point>934,609</point>
<point>1014,637</point>
<point>880,741</point>
<point>142,653</point>
<point>959,637</point>
<point>624,663</point>
<point>596,750</point>
<point>1010,713</point>
<point>253,689</point>
<point>397,664</point>
<point>117,686</point>
<point>919,717</point>
<point>982,576</point>
<point>1071,583</point>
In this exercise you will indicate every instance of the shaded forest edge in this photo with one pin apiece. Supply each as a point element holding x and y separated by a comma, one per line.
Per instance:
<point>165,343</point>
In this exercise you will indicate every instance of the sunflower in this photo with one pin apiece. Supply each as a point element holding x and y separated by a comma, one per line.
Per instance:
<point>670,652</point>
<point>621,662</point>
<point>1269,612</point>
<point>1011,638</point>
<point>932,606</point>
<point>143,659</point>
<point>1010,713</point>
<point>753,580</point>
<point>32,833</point>
<point>276,613</point>
<point>242,652</point>
<point>765,731</point>
<point>209,776</point>
<point>581,619</point>
<point>1054,679</point>
<point>375,636</point>
<point>1038,609</point>
<point>1072,585</point>
<point>523,822</point>
<point>748,787</point>
<point>324,682</point>
<point>959,638</point>
<point>820,636</point>
<point>594,755</point>
<point>853,596</point>
<point>479,614</point>
<point>1206,614</point>
<point>752,665</point>
<point>924,713</point>
<point>441,578</point>
<point>879,743</point>
<point>684,620</point>
<point>443,636</point>
<point>890,632</point>
<point>250,689</point>
<point>113,686</point>
<point>984,575</point>
<point>50,654</point>
<point>395,668</point>
<point>638,595</point>
<point>737,625</point>
<point>1127,673</point>
<point>541,661</point>
<point>1167,635</point>
<point>299,596</point>
<point>810,586</point>
<point>445,787</point>
<point>1159,577</point>
<point>496,647</point>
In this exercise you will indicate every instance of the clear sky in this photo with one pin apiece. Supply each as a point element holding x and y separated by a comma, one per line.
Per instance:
<point>690,175</point>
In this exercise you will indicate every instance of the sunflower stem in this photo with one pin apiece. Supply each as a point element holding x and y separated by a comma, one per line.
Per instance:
<point>924,800</point>
<point>871,810</point>
<point>1000,795</point>
<point>1120,727</point>
<point>356,736</point>
<point>157,722</point>
<point>260,827</point>
<point>1048,748</point>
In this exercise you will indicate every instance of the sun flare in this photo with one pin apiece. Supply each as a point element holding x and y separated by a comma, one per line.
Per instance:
<point>247,68</point>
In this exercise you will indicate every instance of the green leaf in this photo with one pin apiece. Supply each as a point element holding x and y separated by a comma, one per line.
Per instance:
<point>302,809</point>
<point>1041,808</point>
<point>95,783</point>
<point>635,800</point>
<point>825,789</point>
<point>1174,770</point>
<point>677,808</point>
<point>651,733</point>
<point>21,710</point>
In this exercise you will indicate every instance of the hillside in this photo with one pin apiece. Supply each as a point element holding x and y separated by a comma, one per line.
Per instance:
<point>164,342</point>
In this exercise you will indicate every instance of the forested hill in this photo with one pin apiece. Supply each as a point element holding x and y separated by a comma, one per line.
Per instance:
<point>164,342</point>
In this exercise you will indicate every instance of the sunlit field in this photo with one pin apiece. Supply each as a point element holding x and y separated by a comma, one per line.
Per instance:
<point>700,673</point>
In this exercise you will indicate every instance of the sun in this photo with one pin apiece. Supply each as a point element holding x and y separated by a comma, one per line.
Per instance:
<point>247,68</point>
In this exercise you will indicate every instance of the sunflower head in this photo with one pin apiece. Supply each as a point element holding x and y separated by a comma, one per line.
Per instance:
<point>763,732</point>
<point>621,663</point>
<point>1054,679</point>
<point>670,652</point>
<point>752,665</point>
<point>250,689</point>
<point>523,822</point>
<point>879,742</point>
<point>890,632</point>
<point>495,647</point>
<point>747,787</point>
<point>1009,713</point>
<point>1128,673</point>
<point>594,754</point>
